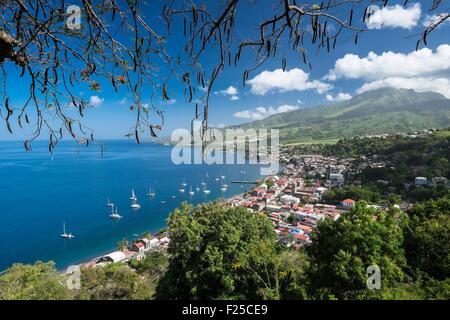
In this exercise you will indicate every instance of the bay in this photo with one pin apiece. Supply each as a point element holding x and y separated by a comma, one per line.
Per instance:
<point>40,191</point>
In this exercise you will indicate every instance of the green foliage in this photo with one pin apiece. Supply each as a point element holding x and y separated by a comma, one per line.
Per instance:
<point>219,252</point>
<point>293,278</point>
<point>348,192</point>
<point>154,265</point>
<point>427,238</point>
<point>270,183</point>
<point>342,250</point>
<point>33,282</point>
<point>113,282</point>
<point>122,244</point>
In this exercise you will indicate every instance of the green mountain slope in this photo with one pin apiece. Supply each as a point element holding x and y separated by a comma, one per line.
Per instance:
<point>385,110</point>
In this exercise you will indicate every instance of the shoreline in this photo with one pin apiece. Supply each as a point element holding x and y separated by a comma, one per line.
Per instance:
<point>96,257</point>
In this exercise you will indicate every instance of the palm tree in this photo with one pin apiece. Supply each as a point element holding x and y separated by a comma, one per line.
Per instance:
<point>122,244</point>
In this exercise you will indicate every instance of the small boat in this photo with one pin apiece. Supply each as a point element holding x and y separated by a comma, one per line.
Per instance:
<point>133,195</point>
<point>223,188</point>
<point>115,214</point>
<point>191,192</point>
<point>65,234</point>
<point>222,177</point>
<point>109,203</point>
<point>184,184</point>
<point>163,202</point>
<point>217,179</point>
<point>206,190</point>
<point>197,188</point>
<point>181,188</point>
<point>135,205</point>
<point>151,193</point>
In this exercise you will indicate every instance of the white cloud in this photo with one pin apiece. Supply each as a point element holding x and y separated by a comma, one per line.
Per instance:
<point>292,80</point>
<point>394,16</point>
<point>434,19</point>
<point>230,91</point>
<point>221,125</point>
<point>440,85</point>
<point>300,101</point>
<point>263,112</point>
<point>341,96</point>
<point>389,64</point>
<point>95,101</point>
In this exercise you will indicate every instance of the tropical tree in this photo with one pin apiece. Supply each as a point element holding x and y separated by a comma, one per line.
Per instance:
<point>33,282</point>
<point>219,252</point>
<point>113,282</point>
<point>342,250</point>
<point>427,238</point>
<point>122,244</point>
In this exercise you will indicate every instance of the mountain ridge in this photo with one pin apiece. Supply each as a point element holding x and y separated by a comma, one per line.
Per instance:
<point>385,110</point>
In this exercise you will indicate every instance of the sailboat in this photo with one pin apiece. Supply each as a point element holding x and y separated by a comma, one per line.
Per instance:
<point>183,183</point>
<point>65,234</point>
<point>151,193</point>
<point>223,188</point>
<point>190,191</point>
<point>181,188</point>
<point>206,190</point>
<point>115,214</point>
<point>133,195</point>
<point>135,205</point>
<point>197,188</point>
<point>109,203</point>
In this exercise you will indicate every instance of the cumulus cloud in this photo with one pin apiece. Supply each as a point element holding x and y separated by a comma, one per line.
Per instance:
<point>263,112</point>
<point>95,101</point>
<point>440,85</point>
<point>283,81</point>
<point>341,96</point>
<point>231,91</point>
<point>394,16</point>
<point>390,64</point>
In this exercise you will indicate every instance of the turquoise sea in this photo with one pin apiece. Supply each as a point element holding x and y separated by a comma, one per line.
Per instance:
<point>40,191</point>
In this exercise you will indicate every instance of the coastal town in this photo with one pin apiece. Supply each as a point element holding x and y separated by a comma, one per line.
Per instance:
<point>293,199</point>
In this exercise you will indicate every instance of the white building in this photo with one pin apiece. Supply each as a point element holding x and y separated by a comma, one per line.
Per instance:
<point>420,181</point>
<point>116,256</point>
<point>288,199</point>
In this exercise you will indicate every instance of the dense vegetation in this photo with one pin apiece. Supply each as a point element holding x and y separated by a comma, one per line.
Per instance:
<point>385,110</point>
<point>222,252</point>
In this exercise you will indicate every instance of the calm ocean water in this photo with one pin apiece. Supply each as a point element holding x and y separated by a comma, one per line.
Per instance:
<point>38,192</point>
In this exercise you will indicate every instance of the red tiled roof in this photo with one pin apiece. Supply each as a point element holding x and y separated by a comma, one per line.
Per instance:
<point>348,201</point>
<point>301,237</point>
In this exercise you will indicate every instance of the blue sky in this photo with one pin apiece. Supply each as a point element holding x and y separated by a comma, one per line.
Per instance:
<point>385,56</point>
